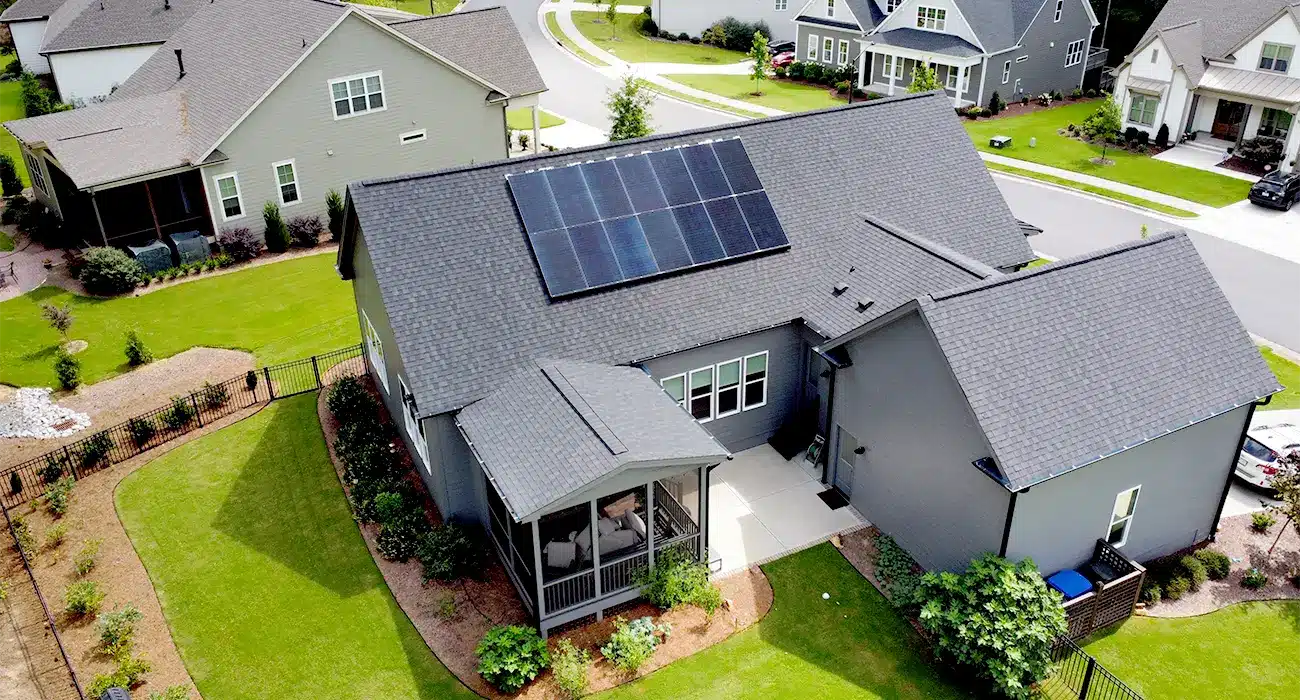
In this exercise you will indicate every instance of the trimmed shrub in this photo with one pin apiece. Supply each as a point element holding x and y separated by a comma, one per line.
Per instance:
<point>738,35</point>
<point>129,673</point>
<point>1262,151</point>
<point>95,449</point>
<point>141,431</point>
<point>509,657</point>
<point>1254,579</point>
<point>277,234</point>
<point>136,352</point>
<point>14,208</point>
<point>648,26</point>
<point>84,562</point>
<point>400,540</point>
<point>1260,522</point>
<point>240,244</point>
<point>109,271</point>
<point>795,70</point>
<point>52,470</point>
<point>116,628</point>
<point>998,619</point>
<point>179,414</point>
<point>683,36</point>
<point>67,369</point>
<point>55,535</point>
<point>348,400</point>
<point>23,535</point>
<point>334,210</point>
<point>898,570</point>
<point>10,184</point>
<point>172,692</point>
<point>1217,564</point>
<point>1151,591</point>
<point>304,231</point>
<point>569,667</point>
<point>1162,136</point>
<point>15,483</point>
<point>82,598</point>
<point>58,497</point>
<point>1193,570</point>
<point>451,551</point>
<point>1176,587</point>
<point>633,643</point>
<point>996,104</point>
<point>677,580</point>
<point>213,396</point>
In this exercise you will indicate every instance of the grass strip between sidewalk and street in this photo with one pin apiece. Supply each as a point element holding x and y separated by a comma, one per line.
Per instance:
<point>553,25</point>
<point>784,95</point>
<point>700,101</point>
<point>1288,373</point>
<point>1093,189</point>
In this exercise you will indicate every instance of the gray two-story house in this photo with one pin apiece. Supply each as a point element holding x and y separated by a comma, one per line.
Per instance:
<point>250,102</point>
<point>573,346</point>
<point>977,47</point>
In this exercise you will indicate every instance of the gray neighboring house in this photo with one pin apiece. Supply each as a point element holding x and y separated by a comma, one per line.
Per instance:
<point>321,93</point>
<point>529,414</point>
<point>694,16</point>
<point>977,47</point>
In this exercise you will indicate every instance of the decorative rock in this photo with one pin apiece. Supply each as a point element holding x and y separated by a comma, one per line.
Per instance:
<point>31,414</point>
<point>826,596</point>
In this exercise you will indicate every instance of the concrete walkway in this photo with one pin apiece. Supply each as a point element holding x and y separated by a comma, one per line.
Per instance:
<point>1099,182</point>
<point>26,263</point>
<point>1202,159</point>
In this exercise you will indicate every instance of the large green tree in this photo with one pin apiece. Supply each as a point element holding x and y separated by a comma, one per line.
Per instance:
<point>1129,20</point>
<point>629,110</point>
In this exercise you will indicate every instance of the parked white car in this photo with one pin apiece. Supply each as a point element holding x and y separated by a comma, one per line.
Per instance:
<point>1264,445</point>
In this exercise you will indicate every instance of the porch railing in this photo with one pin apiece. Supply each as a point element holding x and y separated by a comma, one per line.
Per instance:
<point>616,576</point>
<point>1097,56</point>
<point>672,511</point>
<point>567,592</point>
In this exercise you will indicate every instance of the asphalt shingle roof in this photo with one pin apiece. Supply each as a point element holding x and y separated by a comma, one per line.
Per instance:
<point>557,426</point>
<point>1226,22</point>
<point>30,9</point>
<point>91,24</point>
<point>1071,362</point>
<point>921,40</point>
<point>483,42</point>
<point>464,296</point>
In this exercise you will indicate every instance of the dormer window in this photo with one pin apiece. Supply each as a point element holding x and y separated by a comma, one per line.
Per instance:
<point>891,5</point>
<point>1276,58</point>
<point>934,19</point>
<point>830,8</point>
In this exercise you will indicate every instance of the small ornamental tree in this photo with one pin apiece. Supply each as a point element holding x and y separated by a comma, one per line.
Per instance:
<point>1104,124</point>
<point>10,184</point>
<point>1286,481</point>
<point>137,353</point>
<point>761,55</point>
<point>629,110</point>
<point>611,14</point>
<point>997,619</point>
<point>334,209</point>
<point>277,234</point>
<point>59,318</point>
<point>924,79</point>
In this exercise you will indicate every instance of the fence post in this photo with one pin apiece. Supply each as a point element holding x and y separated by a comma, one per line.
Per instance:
<point>1087,678</point>
<point>315,368</point>
<point>198,415</point>
<point>270,390</point>
<point>67,458</point>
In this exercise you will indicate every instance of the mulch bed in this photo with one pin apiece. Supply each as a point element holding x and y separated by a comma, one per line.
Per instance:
<point>1247,549</point>
<point>1015,109</point>
<point>479,605</point>
<point>1241,165</point>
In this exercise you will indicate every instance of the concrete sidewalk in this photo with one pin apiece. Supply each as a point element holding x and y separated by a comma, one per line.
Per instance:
<point>1130,190</point>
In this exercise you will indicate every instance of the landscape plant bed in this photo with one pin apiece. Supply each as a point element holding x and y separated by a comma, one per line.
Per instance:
<point>632,46</point>
<point>1241,165</point>
<point>479,605</point>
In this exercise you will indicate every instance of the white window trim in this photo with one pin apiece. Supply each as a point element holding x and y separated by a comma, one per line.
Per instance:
<point>413,136</point>
<point>830,8</point>
<point>950,78</point>
<point>940,23</point>
<point>814,46</point>
<point>221,201</point>
<point>1155,55</point>
<point>891,5</point>
<point>414,427</point>
<point>843,55</point>
<point>965,79</point>
<point>681,376</point>
<point>739,387</point>
<point>891,64</point>
<point>1289,60</point>
<point>744,383</point>
<point>373,342</point>
<point>1074,53</point>
<point>1022,59</point>
<point>780,5</point>
<point>828,49</point>
<point>713,392</point>
<point>1060,5</point>
<point>1132,102</point>
<point>1127,520</point>
<point>383,93</point>
<point>1006,72</point>
<point>279,188</point>
<point>36,171</point>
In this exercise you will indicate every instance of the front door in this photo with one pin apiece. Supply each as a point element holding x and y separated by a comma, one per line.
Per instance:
<point>846,462</point>
<point>1228,119</point>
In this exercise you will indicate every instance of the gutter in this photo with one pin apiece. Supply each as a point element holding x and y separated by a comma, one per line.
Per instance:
<point>835,366</point>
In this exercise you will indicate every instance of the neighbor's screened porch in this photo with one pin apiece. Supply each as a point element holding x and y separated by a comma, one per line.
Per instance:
<point>554,559</point>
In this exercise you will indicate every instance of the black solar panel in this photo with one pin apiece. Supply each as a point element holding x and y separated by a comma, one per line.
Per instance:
<point>602,223</point>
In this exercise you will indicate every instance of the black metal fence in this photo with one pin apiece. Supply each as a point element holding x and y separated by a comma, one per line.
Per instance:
<point>27,480</point>
<point>1078,675</point>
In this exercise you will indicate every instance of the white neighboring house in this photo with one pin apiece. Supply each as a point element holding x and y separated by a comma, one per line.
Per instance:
<point>1228,78</point>
<point>694,16</point>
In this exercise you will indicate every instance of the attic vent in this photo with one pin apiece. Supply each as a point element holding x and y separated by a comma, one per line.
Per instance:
<point>841,287</point>
<point>167,4</point>
<point>864,304</point>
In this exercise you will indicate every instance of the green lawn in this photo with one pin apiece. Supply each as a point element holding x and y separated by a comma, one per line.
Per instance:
<point>851,646</point>
<point>1288,373</point>
<point>634,47</point>
<point>1071,154</point>
<point>1246,651</point>
<point>11,107</point>
<point>522,119</point>
<point>553,25</point>
<point>6,243</point>
<point>263,577</point>
<point>280,312</point>
<point>1091,189</point>
<point>777,94</point>
<point>419,7</point>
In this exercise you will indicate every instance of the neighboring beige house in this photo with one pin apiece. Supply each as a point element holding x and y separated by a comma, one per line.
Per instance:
<point>1223,69</point>
<point>251,102</point>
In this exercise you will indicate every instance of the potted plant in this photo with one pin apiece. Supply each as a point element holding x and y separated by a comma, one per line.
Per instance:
<point>48,263</point>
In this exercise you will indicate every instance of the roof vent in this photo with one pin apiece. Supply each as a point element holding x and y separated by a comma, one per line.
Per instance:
<point>841,287</point>
<point>167,4</point>
<point>180,64</point>
<point>864,304</point>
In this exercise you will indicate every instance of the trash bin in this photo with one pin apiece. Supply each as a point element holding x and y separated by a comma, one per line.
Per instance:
<point>154,257</point>
<point>190,247</point>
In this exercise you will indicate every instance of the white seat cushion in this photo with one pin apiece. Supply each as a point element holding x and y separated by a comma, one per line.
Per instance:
<point>607,526</point>
<point>635,523</point>
<point>560,555</point>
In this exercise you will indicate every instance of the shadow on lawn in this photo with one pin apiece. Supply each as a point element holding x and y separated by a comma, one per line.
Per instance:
<point>288,505</point>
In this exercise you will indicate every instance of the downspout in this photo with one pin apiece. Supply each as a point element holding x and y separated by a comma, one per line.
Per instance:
<point>1232,466</point>
<point>1006,528</point>
<point>834,365</point>
<point>984,72</point>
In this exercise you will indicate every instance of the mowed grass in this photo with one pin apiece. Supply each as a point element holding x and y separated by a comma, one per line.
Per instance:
<point>263,577</point>
<point>1247,651</point>
<point>634,47</point>
<point>1091,189</point>
<point>777,94</point>
<point>1067,153</point>
<point>281,311</point>
<point>522,119</point>
<point>419,7</point>
<point>553,25</point>
<point>11,107</point>
<point>851,646</point>
<point>1288,373</point>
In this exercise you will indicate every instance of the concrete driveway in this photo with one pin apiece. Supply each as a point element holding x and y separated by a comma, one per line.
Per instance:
<point>761,507</point>
<point>1243,497</point>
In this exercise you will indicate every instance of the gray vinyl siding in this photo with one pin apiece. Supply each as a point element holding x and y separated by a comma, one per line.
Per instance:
<point>1182,476</point>
<point>801,45</point>
<point>784,379</point>
<point>297,122</point>
<point>1045,42</point>
<point>915,481</point>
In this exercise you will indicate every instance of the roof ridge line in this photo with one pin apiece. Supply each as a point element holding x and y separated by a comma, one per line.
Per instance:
<point>575,152</point>
<point>1056,266</point>
<point>548,366</point>
<point>939,250</point>
<point>425,18</point>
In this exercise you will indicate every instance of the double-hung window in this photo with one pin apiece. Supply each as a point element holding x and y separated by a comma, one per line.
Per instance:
<point>1121,518</point>
<point>934,19</point>
<point>675,386</point>
<point>828,50</point>
<point>1060,5</point>
<point>1006,72</point>
<point>286,182</point>
<point>1276,57</point>
<point>701,394</point>
<point>728,403</point>
<point>358,94</point>
<point>35,171</point>
<point>950,81</point>
<point>781,5</point>
<point>813,43</point>
<point>375,350</point>
<point>891,65</point>
<point>755,380</point>
<point>414,426</point>
<point>844,53</point>
<point>1143,109</point>
<point>232,202</point>
<point>1074,53</point>
<point>830,8</point>
<point>1274,123</point>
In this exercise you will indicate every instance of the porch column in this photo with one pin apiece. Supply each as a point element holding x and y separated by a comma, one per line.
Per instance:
<point>94,203</point>
<point>893,71</point>
<point>862,67</point>
<point>650,526</point>
<point>148,193</point>
<point>956,98</point>
<point>537,129</point>
<point>537,569</point>
<point>703,511</point>
<point>595,555</point>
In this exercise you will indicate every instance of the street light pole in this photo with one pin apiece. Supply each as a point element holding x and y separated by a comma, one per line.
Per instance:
<point>1105,24</point>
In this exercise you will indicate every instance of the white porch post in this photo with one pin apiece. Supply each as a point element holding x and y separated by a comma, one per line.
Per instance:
<point>650,526</point>
<point>893,71</point>
<point>956,96</point>
<point>595,556</point>
<point>862,66</point>
<point>704,514</point>
<point>537,129</point>
<point>984,71</point>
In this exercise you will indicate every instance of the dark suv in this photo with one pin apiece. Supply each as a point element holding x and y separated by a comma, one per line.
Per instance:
<point>1277,190</point>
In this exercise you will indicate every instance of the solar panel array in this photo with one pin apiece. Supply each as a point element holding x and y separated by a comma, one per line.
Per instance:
<point>602,223</point>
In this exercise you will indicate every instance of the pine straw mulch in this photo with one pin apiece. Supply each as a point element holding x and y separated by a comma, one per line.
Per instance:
<point>479,605</point>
